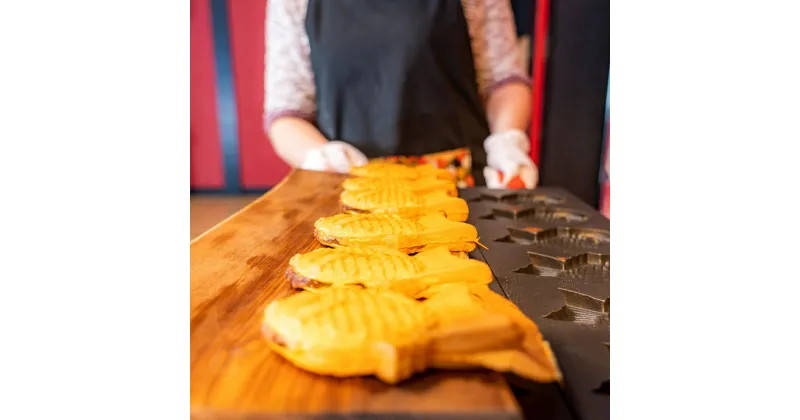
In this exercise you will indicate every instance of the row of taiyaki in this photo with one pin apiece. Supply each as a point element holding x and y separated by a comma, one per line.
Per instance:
<point>380,188</point>
<point>370,308</point>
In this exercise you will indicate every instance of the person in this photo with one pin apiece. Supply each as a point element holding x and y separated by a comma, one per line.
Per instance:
<point>412,81</point>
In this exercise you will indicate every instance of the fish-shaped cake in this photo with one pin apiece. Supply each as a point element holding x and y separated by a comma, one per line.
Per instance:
<point>345,332</point>
<point>404,202</point>
<point>396,170</point>
<point>407,235</point>
<point>417,186</point>
<point>384,268</point>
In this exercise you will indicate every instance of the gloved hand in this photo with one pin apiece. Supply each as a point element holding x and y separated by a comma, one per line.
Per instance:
<point>509,165</point>
<point>333,156</point>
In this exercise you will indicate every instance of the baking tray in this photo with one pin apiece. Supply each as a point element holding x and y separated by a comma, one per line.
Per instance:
<point>550,254</point>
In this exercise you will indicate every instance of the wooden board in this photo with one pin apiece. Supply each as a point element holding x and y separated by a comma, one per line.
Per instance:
<point>237,268</point>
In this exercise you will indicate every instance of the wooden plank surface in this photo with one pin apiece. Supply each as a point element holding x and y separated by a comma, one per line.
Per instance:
<point>237,268</point>
<point>208,210</point>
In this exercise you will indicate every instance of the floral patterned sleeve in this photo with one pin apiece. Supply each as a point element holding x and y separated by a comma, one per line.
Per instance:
<point>289,83</point>
<point>494,44</point>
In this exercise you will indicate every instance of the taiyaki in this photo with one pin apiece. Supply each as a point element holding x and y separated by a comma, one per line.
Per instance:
<point>417,186</point>
<point>396,170</point>
<point>350,331</point>
<point>408,235</point>
<point>403,202</point>
<point>384,268</point>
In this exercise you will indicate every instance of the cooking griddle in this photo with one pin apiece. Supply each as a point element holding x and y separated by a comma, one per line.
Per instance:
<point>550,255</point>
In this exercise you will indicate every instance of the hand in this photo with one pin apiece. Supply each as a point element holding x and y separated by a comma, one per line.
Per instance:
<point>509,165</point>
<point>495,179</point>
<point>333,156</point>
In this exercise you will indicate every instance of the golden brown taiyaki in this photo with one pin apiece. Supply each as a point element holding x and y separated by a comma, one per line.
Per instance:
<point>384,268</point>
<point>396,170</point>
<point>408,235</point>
<point>416,186</point>
<point>403,202</point>
<point>350,331</point>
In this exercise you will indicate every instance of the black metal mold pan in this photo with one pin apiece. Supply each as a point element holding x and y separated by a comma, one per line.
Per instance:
<point>580,345</point>
<point>545,196</point>
<point>550,255</point>
<point>589,239</point>
<point>543,216</point>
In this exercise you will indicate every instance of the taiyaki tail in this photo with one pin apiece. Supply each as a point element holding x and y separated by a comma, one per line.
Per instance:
<point>439,262</point>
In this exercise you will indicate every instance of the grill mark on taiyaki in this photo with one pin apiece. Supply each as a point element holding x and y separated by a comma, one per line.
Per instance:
<point>384,197</point>
<point>416,186</point>
<point>406,234</point>
<point>393,170</point>
<point>377,225</point>
<point>356,264</point>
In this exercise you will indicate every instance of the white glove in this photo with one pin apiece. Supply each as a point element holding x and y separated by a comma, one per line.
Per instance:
<point>507,159</point>
<point>333,156</point>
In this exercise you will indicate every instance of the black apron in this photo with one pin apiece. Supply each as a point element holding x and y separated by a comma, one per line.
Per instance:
<point>396,77</point>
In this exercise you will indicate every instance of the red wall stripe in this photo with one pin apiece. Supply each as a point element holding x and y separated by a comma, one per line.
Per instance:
<point>259,165</point>
<point>541,28</point>
<point>206,169</point>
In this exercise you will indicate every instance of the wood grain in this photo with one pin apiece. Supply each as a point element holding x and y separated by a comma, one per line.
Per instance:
<point>206,211</point>
<point>237,268</point>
